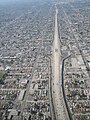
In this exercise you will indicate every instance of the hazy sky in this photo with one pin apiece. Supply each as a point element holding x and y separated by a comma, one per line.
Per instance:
<point>8,1</point>
<point>14,0</point>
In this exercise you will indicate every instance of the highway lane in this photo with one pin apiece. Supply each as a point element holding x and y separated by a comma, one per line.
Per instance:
<point>56,82</point>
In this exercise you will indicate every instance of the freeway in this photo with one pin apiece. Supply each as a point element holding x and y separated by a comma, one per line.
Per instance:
<point>56,81</point>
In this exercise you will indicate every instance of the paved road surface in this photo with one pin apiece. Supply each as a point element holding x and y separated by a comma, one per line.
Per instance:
<point>57,92</point>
